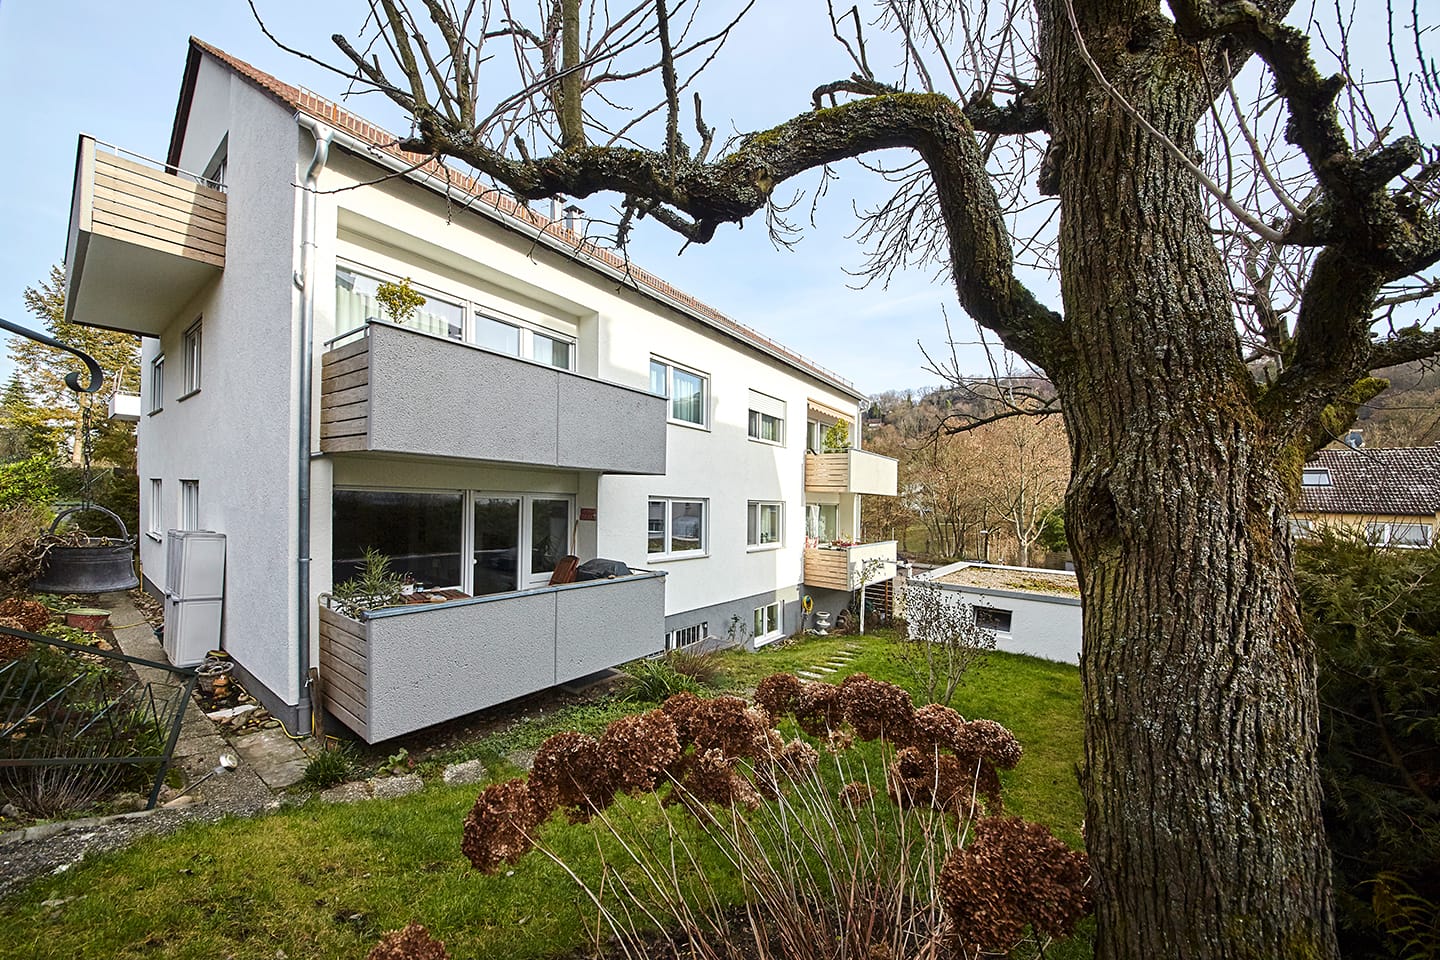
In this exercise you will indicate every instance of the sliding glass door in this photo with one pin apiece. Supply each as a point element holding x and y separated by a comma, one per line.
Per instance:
<point>518,540</point>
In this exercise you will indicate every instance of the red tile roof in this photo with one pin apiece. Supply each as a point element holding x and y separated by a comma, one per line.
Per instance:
<point>579,248</point>
<point>1400,480</point>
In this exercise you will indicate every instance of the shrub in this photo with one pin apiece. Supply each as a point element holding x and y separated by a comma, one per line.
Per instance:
<point>1374,617</point>
<point>375,587</point>
<point>656,680</point>
<point>329,767</point>
<point>22,550</point>
<point>399,300</point>
<point>941,642</point>
<point>703,668</point>
<point>27,481</point>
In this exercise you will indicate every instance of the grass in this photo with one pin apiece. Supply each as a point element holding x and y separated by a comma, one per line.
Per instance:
<point>321,881</point>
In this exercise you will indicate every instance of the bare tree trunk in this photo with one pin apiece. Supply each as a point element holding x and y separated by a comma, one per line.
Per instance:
<point>1201,781</point>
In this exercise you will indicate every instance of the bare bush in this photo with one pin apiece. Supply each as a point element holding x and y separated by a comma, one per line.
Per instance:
<point>941,642</point>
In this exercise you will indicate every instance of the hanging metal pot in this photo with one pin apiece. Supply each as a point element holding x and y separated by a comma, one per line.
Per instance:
<point>98,565</point>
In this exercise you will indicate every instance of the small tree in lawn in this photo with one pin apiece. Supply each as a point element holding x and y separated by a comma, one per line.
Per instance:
<point>941,641</point>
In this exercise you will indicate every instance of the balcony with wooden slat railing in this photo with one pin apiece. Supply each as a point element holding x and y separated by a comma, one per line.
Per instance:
<point>144,239</point>
<point>851,471</point>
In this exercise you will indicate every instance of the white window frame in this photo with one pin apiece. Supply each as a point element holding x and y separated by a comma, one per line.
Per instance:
<point>1382,533</point>
<point>526,336</point>
<point>685,636</point>
<point>763,407</point>
<point>753,526</point>
<point>156,396</point>
<point>193,352</point>
<point>669,553</point>
<point>769,616</point>
<point>1315,477</point>
<point>529,578</point>
<point>670,368</point>
<point>153,526</point>
<point>189,505</point>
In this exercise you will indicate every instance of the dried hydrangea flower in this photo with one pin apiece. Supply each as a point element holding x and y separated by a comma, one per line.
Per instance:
<point>31,615</point>
<point>989,741</point>
<point>1013,873</point>
<point>798,760</point>
<point>819,711</point>
<point>11,646</point>
<point>855,795</point>
<point>876,709</point>
<point>734,727</point>
<point>838,741</point>
<point>934,725</point>
<point>500,826</point>
<point>781,694</point>
<point>571,772</point>
<point>941,781</point>
<point>412,943</point>
<point>639,750</point>
<point>686,711</point>
<point>711,777</point>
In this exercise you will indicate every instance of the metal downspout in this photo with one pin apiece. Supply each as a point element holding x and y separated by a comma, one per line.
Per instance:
<point>304,280</point>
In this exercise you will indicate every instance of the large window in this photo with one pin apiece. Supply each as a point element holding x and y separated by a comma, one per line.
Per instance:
<point>514,540</point>
<point>192,359</point>
<point>688,391</point>
<point>519,340</point>
<point>822,522</point>
<point>677,528</point>
<point>1398,534</point>
<point>767,418</point>
<point>356,303</point>
<point>419,532</point>
<point>156,396</point>
<point>763,524</point>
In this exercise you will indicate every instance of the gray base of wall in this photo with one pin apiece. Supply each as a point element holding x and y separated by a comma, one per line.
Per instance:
<point>286,713</point>
<point>717,618</point>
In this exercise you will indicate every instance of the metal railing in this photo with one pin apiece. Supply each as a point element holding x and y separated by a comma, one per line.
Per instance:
<point>73,721</point>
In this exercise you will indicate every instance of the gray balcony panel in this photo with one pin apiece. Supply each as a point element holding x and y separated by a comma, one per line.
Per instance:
<point>429,396</point>
<point>405,668</point>
<point>600,628</point>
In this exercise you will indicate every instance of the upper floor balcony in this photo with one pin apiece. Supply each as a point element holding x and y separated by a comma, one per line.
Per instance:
<point>390,389</point>
<point>835,567</point>
<point>144,238</point>
<point>851,471</point>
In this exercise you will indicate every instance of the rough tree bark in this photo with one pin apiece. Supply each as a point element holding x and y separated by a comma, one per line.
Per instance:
<point>1202,793</point>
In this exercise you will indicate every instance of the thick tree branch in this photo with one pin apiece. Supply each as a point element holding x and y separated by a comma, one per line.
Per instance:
<point>734,187</point>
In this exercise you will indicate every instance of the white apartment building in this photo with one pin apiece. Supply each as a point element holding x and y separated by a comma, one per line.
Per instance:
<point>546,400</point>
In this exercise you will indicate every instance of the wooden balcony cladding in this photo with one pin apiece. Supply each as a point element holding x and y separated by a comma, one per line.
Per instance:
<point>827,569</point>
<point>345,398</point>
<point>345,670</point>
<point>152,208</point>
<point>851,471</point>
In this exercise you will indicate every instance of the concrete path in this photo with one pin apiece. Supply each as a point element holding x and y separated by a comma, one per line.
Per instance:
<point>268,754</point>
<point>836,662</point>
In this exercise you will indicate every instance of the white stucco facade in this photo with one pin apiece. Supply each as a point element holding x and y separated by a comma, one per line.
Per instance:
<point>1040,624</point>
<point>237,435</point>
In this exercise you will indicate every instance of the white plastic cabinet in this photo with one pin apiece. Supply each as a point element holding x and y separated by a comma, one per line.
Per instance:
<point>194,594</point>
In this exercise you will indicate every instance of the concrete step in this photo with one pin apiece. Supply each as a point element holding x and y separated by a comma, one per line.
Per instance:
<point>808,675</point>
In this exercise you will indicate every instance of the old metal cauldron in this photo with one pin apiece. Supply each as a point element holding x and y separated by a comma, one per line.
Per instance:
<point>99,565</point>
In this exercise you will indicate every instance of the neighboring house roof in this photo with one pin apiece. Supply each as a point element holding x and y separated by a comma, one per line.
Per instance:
<point>488,200</point>
<point>1402,480</point>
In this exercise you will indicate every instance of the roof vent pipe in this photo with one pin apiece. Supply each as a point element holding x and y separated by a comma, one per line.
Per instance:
<point>572,217</point>
<point>305,280</point>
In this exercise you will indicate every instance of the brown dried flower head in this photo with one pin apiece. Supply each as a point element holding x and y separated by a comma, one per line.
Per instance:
<point>11,646</point>
<point>988,741</point>
<point>686,711</point>
<point>798,760</point>
<point>711,777</point>
<point>781,694</point>
<point>571,772</point>
<point>932,779</point>
<point>639,750</point>
<point>819,711</point>
<point>412,943</point>
<point>935,725</point>
<point>876,709</point>
<point>856,795</point>
<point>1011,874</point>
<point>500,826</point>
<point>734,727</point>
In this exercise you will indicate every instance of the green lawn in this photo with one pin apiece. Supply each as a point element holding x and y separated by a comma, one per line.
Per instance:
<point>322,881</point>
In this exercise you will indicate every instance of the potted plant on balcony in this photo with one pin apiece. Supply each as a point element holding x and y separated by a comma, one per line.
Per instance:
<point>837,437</point>
<point>400,301</point>
<point>376,586</point>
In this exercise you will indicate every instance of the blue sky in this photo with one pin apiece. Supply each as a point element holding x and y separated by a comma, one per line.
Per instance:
<point>113,70</point>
